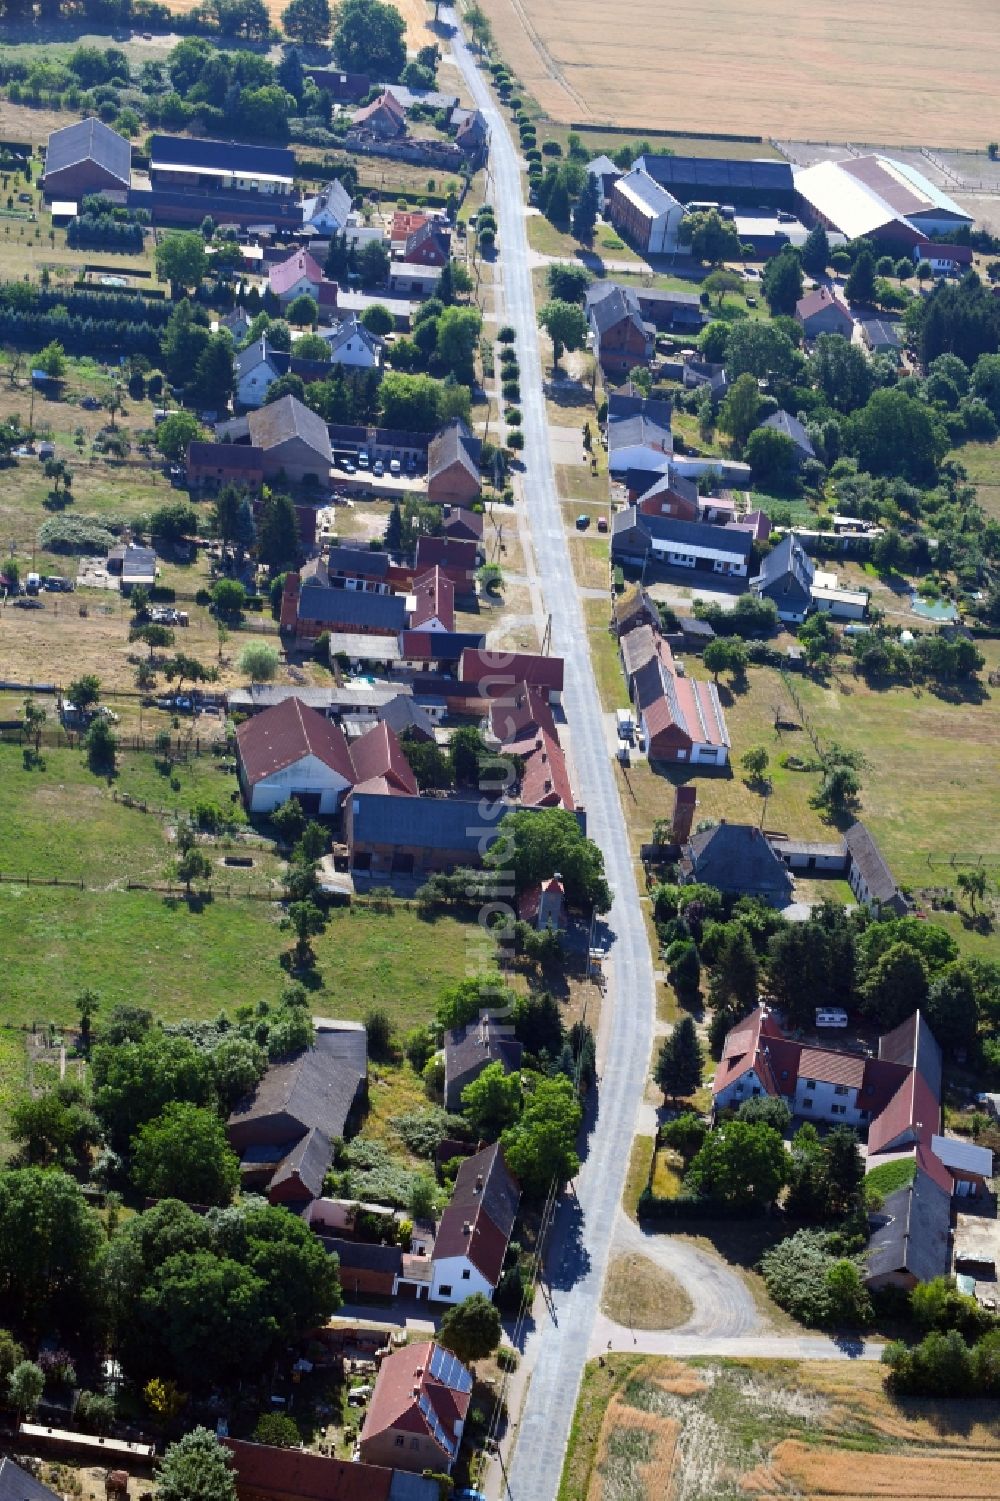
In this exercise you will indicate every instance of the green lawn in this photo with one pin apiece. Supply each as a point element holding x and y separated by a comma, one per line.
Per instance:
<point>604,656</point>
<point>982,462</point>
<point>155,952</point>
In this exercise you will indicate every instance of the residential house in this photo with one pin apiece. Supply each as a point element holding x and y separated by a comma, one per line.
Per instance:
<point>603,169</point>
<point>869,876</point>
<point>453,465</point>
<point>404,223</point>
<point>491,674</point>
<point>263,1472</point>
<point>475,1229</point>
<point>405,716</point>
<point>472,136</point>
<point>329,212</point>
<point>670,311</point>
<point>622,339</point>
<point>521,723</point>
<point>639,444</point>
<point>347,567</point>
<point>294,440</point>
<point>291,751</point>
<point>283,1130</point>
<point>429,244</point>
<point>790,427</point>
<point>471,1048</point>
<point>634,607</point>
<point>881,336</point>
<point>645,214</point>
<point>86,157</point>
<point>786,579</point>
<point>133,566</point>
<point>212,465</point>
<point>384,118</point>
<point>300,275</point>
<point>670,494</point>
<point>824,311</point>
<point>314,604</point>
<point>343,88</point>
<point>417,1411</point>
<point>434,593</point>
<point>638,539</point>
<point>457,556</point>
<point>970,1166</point>
<point>944,260</point>
<point>839,603</point>
<point>258,366</point>
<point>461,525</point>
<point>679,719</point>
<point>353,345</point>
<point>738,860</point>
<point>380,764</point>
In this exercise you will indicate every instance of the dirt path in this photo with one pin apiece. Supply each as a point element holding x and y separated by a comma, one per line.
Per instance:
<point>723,1304</point>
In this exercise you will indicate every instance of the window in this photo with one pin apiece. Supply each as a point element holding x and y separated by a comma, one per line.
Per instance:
<point>810,1083</point>
<point>840,1089</point>
<point>838,1109</point>
<point>756,1089</point>
<point>466,1275</point>
<point>444,1291</point>
<point>400,1441</point>
<point>807,1104</point>
<point>414,1443</point>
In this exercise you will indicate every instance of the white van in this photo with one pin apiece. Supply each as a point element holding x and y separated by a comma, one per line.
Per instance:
<point>395,468</point>
<point>831,1016</point>
<point>624,724</point>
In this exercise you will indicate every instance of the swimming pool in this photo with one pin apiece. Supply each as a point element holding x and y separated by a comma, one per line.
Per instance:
<point>933,609</point>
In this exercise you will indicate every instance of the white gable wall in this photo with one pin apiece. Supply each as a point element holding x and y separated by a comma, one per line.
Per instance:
<point>309,775</point>
<point>454,1279</point>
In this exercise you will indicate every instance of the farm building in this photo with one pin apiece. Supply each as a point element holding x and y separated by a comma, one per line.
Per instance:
<point>637,538</point>
<point>263,1472</point>
<point>708,179</point>
<point>645,214</point>
<point>212,465</point>
<point>88,157</point>
<point>294,440</point>
<point>877,197</point>
<point>291,751</point>
<point>220,166</point>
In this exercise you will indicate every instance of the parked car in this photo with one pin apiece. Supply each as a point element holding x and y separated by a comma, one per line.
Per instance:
<point>349,468</point>
<point>602,523</point>
<point>378,468</point>
<point>27,602</point>
<point>582,522</point>
<point>395,468</point>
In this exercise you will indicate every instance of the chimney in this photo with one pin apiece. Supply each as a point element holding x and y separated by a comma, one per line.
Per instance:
<point>479,1183</point>
<point>467,1228</point>
<point>685,799</point>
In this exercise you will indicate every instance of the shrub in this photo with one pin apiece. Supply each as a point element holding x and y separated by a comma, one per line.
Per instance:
<point>507,335</point>
<point>512,417</point>
<point>378,1025</point>
<point>515,440</point>
<point>423,1131</point>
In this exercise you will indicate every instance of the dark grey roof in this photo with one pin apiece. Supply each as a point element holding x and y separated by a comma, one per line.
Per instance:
<point>317,1087</point>
<point>280,361</point>
<point>352,607</point>
<point>691,533</point>
<point>434,823</point>
<point>89,140</point>
<point>362,562</point>
<point>870,861</point>
<point>880,331</point>
<point>225,455</point>
<point>788,562</point>
<point>401,714</point>
<point>289,418</point>
<point>911,1232</point>
<point>186,151</point>
<point>470,1049</point>
<point>626,404</point>
<point>453,444</point>
<point>607,304</point>
<point>914,1045</point>
<point>499,1194</point>
<point>669,298</point>
<point>637,431</point>
<point>17,1485</point>
<point>737,857</point>
<point>718,175</point>
<point>365,1257</point>
<point>784,422</point>
<point>309,1160</point>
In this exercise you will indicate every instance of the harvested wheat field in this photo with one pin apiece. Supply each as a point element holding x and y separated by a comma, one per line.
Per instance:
<point>416,14</point>
<point>711,1430</point>
<point>903,71</point>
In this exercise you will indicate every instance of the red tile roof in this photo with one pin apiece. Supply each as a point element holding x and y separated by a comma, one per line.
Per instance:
<point>478,1220</point>
<point>403,224</point>
<point>545,783</point>
<point>407,1386</point>
<point>264,1470</point>
<point>523,712</point>
<point>814,302</point>
<point>379,755</point>
<point>832,1068</point>
<point>496,672</point>
<point>283,735</point>
<point>435,594</point>
<point>447,552</point>
<point>960,254</point>
<point>912,1114</point>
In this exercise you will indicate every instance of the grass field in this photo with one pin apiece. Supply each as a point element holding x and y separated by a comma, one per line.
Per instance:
<point>638,1294</point>
<point>713,1430</point>
<point>855,72</point>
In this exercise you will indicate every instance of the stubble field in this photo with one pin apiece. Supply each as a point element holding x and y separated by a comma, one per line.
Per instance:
<point>755,1429</point>
<point>898,72</point>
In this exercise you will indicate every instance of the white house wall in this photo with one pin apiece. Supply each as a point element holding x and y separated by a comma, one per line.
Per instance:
<point>459,1275</point>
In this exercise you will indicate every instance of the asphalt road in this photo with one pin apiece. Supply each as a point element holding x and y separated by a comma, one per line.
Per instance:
<point>584,1227</point>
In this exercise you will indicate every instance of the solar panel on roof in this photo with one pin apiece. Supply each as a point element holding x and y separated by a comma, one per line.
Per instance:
<point>448,1369</point>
